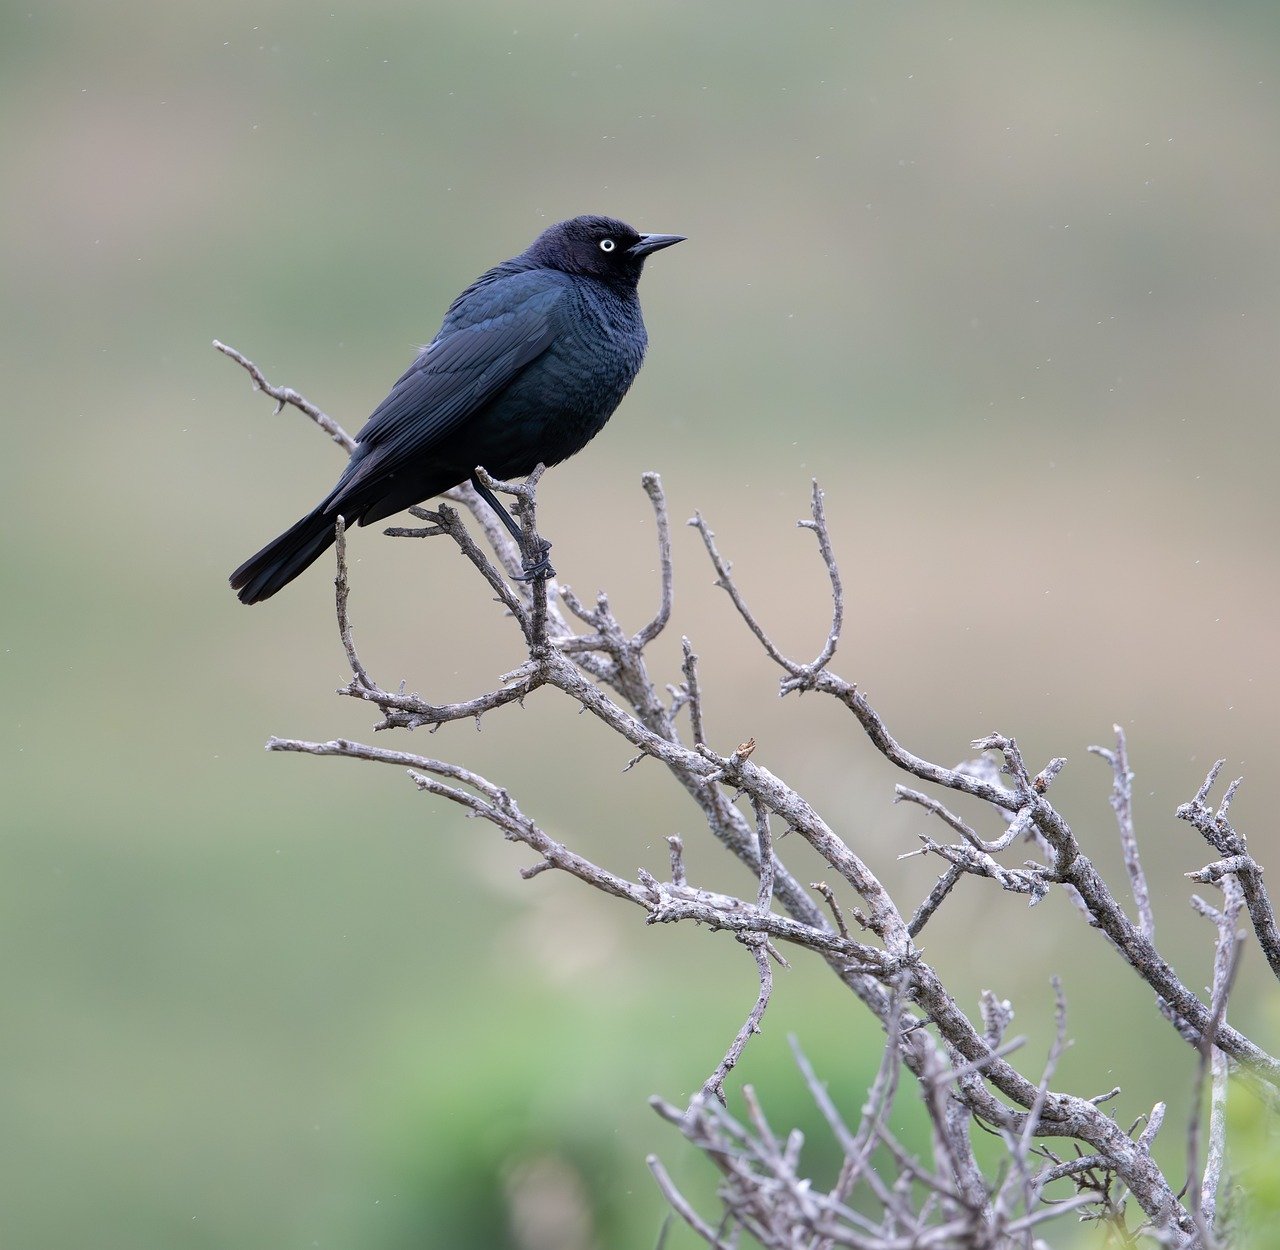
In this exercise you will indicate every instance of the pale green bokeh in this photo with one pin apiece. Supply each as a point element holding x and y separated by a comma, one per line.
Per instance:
<point>1004,277</point>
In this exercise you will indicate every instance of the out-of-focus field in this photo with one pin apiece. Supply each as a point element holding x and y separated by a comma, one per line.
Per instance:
<point>1003,278</point>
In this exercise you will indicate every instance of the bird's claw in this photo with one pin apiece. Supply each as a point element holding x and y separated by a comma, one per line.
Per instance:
<point>536,572</point>
<point>537,569</point>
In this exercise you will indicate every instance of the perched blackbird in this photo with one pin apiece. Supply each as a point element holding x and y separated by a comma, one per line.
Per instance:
<point>531,361</point>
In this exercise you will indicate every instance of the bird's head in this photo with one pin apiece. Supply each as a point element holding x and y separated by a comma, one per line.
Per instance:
<point>598,247</point>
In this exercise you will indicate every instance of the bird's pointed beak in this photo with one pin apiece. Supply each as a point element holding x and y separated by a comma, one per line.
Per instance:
<point>654,243</point>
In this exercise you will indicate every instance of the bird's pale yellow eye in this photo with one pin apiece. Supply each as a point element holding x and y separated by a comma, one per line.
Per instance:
<point>607,245</point>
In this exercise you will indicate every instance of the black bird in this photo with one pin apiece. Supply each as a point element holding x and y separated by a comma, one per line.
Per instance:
<point>531,361</point>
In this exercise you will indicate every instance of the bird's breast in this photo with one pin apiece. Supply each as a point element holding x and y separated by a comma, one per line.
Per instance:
<point>564,398</point>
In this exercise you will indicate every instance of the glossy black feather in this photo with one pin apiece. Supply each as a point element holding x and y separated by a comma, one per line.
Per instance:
<point>530,362</point>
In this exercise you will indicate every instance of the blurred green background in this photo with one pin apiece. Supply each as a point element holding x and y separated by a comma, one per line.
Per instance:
<point>1003,276</point>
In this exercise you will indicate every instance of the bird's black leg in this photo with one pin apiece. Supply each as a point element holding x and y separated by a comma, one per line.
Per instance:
<point>535,566</point>
<point>492,500</point>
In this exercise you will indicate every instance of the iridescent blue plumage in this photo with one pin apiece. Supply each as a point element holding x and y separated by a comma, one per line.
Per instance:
<point>531,361</point>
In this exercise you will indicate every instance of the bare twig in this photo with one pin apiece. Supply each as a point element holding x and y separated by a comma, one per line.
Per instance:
<point>448,522</point>
<point>905,794</point>
<point>934,899</point>
<point>1203,1192</point>
<point>829,894</point>
<point>801,675</point>
<point>1122,805</point>
<point>819,526</point>
<point>1060,1043</point>
<point>410,711</point>
<point>1220,834</point>
<point>287,395</point>
<point>652,484</point>
<point>765,899</point>
<point>692,692</point>
<point>997,1015</point>
<point>681,1206</point>
<point>676,843</point>
<point>713,1087</point>
<point>343,588</point>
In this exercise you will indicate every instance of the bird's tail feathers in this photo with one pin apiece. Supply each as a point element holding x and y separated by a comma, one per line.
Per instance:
<point>282,559</point>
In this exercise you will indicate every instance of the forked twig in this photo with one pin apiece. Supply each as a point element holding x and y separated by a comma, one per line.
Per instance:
<point>1122,805</point>
<point>802,676</point>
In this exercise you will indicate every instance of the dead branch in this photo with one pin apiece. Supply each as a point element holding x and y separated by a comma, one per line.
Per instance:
<point>962,1072</point>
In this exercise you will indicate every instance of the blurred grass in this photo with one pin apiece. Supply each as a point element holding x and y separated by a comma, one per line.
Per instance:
<point>1002,277</point>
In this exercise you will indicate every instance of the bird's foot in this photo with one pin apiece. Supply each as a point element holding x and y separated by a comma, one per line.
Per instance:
<point>537,568</point>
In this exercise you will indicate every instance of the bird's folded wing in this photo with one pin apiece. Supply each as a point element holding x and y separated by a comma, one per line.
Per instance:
<point>458,374</point>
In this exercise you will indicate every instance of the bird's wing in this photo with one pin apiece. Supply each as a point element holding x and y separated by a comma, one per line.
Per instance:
<point>510,324</point>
